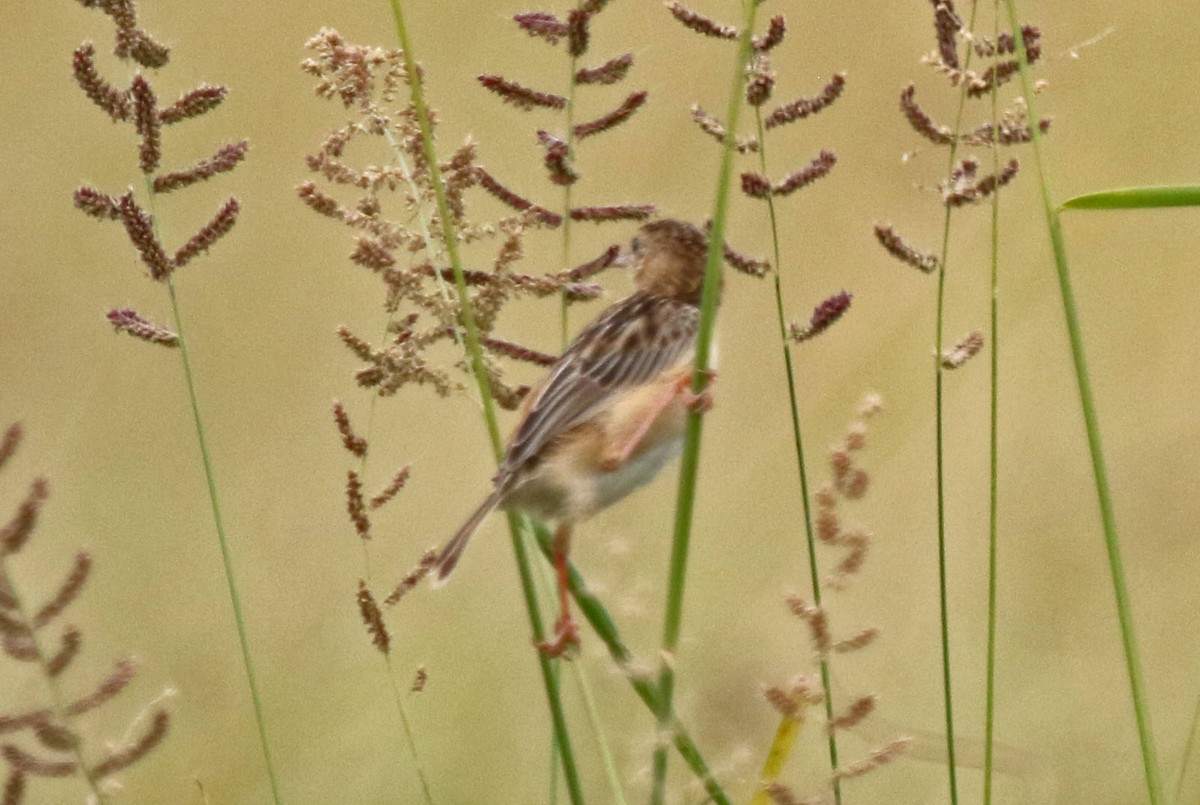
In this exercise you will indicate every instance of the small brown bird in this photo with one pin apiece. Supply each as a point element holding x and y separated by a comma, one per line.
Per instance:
<point>612,410</point>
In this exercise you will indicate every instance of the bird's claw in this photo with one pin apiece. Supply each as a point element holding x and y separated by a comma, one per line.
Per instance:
<point>700,402</point>
<point>565,639</point>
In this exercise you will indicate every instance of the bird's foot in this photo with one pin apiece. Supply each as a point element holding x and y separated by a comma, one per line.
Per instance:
<point>700,402</point>
<point>565,639</point>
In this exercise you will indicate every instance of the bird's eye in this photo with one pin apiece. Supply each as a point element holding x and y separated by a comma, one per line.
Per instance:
<point>636,245</point>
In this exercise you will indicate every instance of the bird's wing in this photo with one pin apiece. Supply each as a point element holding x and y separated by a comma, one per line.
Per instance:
<point>631,343</point>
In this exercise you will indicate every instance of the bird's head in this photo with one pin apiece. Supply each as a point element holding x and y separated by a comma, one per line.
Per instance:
<point>668,259</point>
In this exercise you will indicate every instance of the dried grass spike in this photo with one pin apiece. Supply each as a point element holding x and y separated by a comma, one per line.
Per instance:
<point>947,24</point>
<point>14,788</point>
<point>760,80</point>
<point>755,185</point>
<point>774,35</point>
<point>820,166</point>
<point>966,348</point>
<point>69,645</point>
<point>557,160</point>
<point>714,128</point>
<point>517,352</point>
<point>128,320</point>
<point>746,264</point>
<point>614,118</point>
<point>193,103</point>
<point>803,107</point>
<point>210,233</point>
<point>520,96</point>
<point>610,72</point>
<point>577,31</point>
<point>493,186</point>
<point>593,267</point>
<point>355,506</point>
<point>394,486</point>
<point>373,618</point>
<point>921,122</point>
<point>11,441</point>
<point>824,316</point>
<point>55,736</point>
<point>356,444</point>
<point>700,23</point>
<point>854,714</point>
<point>857,641</point>
<point>542,24</point>
<point>140,228</point>
<point>428,560</point>
<point>616,212</point>
<point>902,251</point>
<point>67,592</point>
<point>145,115</point>
<point>16,532</point>
<point>34,766</point>
<point>160,723</point>
<point>878,757</point>
<point>116,681</point>
<point>97,204</point>
<point>113,101</point>
<point>224,160</point>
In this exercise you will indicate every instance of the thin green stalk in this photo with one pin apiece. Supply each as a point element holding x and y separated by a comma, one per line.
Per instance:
<point>802,471</point>
<point>235,599</point>
<point>1189,749</point>
<point>685,501</point>
<point>56,697</point>
<point>593,717</point>
<point>226,556</point>
<point>408,733</point>
<point>1092,425</point>
<point>643,684</point>
<point>939,371</point>
<point>993,449</point>
<point>475,358</point>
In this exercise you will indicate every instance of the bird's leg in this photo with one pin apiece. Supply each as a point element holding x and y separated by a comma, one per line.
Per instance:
<point>566,632</point>
<point>617,452</point>
<point>701,401</point>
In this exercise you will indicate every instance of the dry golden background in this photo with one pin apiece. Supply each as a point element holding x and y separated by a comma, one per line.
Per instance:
<point>107,418</point>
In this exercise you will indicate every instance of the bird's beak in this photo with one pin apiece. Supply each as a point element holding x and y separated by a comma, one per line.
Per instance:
<point>625,257</point>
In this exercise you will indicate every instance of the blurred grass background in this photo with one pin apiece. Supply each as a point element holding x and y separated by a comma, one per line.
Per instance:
<point>107,421</point>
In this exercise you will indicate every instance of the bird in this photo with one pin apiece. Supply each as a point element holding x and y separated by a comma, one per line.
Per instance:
<point>611,411</point>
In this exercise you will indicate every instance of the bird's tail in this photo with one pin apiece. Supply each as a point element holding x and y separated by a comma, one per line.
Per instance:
<point>448,559</point>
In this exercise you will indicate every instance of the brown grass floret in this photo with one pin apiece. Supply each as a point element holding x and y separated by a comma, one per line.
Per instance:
<point>520,96</point>
<point>701,24</point>
<point>804,107</point>
<point>612,71</point>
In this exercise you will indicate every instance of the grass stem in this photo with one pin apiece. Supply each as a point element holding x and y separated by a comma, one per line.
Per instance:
<point>689,464</point>
<point>1091,421</point>
<point>475,360</point>
<point>235,598</point>
<point>989,728</point>
<point>778,747</point>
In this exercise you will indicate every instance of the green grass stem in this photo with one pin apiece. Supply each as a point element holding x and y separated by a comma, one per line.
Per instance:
<point>550,681</point>
<point>235,598</point>
<point>993,450</point>
<point>644,685</point>
<point>940,446</point>
<point>784,735</point>
<point>689,464</point>
<point>1091,420</point>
